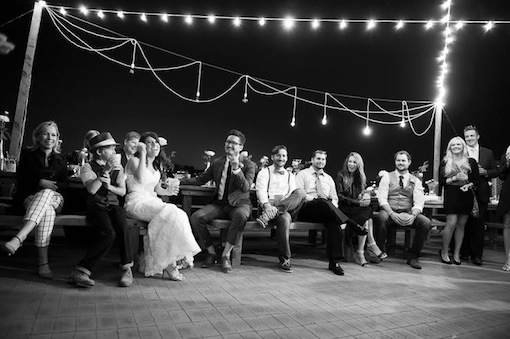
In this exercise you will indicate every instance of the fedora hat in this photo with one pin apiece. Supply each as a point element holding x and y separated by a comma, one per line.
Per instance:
<point>102,140</point>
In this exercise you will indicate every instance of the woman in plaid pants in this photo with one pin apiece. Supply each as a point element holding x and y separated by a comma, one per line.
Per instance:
<point>41,178</point>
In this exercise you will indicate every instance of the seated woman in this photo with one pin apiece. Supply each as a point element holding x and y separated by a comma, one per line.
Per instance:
<point>504,204</point>
<point>169,237</point>
<point>350,184</point>
<point>459,176</point>
<point>41,178</point>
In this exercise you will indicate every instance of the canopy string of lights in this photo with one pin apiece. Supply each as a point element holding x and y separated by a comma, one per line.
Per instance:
<point>62,24</point>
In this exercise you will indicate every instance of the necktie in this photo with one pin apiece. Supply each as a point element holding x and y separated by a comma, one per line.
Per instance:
<point>320,190</point>
<point>221,188</point>
<point>401,181</point>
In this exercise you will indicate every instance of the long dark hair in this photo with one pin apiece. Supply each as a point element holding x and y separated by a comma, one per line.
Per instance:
<point>162,161</point>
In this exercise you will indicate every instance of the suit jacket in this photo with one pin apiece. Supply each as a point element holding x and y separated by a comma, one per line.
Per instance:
<point>240,183</point>
<point>487,161</point>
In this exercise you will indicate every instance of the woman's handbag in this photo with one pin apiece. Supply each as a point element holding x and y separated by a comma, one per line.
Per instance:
<point>475,212</point>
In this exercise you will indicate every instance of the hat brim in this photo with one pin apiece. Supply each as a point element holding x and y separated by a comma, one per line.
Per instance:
<point>104,143</point>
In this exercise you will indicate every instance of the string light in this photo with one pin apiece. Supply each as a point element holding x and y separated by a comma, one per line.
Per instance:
<point>488,26</point>
<point>400,25</point>
<point>120,14</point>
<point>429,24</point>
<point>164,17</point>
<point>62,11</point>
<point>211,18</point>
<point>315,23</point>
<point>100,14</point>
<point>459,24</point>
<point>343,24</point>
<point>237,21</point>
<point>188,19</point>
<point>288,23</point>
<point>324,116</point>
<point>371,24</point>
<point>262,21</point>
<point>84,10</point>
<point>143,17</point>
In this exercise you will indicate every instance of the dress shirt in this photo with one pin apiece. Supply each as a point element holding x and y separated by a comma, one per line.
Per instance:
<point>418,196</point>
<point>474,152</point>
<point>306,179</point>
<point>280,183</point>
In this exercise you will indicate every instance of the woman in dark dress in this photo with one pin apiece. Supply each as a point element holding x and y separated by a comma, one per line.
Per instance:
<point>504,204</point>
<point>459,176</point>
<point>354,202</point>
<point>41,179</point>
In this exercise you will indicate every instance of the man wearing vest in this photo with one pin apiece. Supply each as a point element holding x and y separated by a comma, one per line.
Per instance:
<point>279,200</point>
<point>105,180</point>
<point>401,200</point>
<point>472,244</point>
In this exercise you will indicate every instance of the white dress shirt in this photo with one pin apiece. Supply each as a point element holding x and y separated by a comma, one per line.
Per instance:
<point>306,179</point>
<point>474,152</point>
<point>280,183</point>
<point>418,195</point>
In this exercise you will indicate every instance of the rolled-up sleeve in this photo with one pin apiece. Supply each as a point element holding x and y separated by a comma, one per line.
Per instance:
<point>261,186</point>
<point>383,189</point>
<point>418,196</point>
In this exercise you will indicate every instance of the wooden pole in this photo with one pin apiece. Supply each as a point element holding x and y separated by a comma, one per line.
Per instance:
<point>20,116</point>
<point>438,120</point>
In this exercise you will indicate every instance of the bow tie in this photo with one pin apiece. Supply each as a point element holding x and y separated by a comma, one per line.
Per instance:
<point>282,171</point>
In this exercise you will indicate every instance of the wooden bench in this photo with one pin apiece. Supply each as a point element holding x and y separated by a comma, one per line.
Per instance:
<point>223,225</point>
<point>136,227</point>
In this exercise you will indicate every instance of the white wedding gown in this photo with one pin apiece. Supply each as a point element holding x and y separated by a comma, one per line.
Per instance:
<point>169,237</point>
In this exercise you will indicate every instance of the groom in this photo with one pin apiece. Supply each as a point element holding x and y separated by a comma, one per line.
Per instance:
<point>233,176</point>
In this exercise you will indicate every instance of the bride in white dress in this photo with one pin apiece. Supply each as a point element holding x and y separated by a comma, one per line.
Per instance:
<point>169,238</point>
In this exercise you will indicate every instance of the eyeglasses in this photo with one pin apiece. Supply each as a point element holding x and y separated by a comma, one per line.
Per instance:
<point>231,142</point>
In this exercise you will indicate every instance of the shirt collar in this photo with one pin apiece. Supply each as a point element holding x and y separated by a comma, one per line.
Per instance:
<point>276,171</point>
<point>474,148</point>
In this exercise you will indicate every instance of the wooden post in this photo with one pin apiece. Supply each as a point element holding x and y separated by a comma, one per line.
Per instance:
<point>20,116</point>
<point>438,120</point>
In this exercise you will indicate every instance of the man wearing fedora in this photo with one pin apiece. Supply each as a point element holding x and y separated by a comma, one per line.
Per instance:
<point>105,181</point>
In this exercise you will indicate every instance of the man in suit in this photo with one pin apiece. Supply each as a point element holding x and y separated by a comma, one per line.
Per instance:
<point>475,227</point>
<point>233,176</point>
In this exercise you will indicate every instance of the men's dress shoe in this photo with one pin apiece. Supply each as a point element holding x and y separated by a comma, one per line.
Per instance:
<point>358,229</point>
<point>414,263</point>
<point>477,261</point>
<point>336,268</point>
<point>209,261</point>
<point>126,279</point>
<point>226,266</point>
<point>81,279</point>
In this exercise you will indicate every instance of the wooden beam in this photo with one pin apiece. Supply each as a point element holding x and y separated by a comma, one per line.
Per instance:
<point>20,116</point>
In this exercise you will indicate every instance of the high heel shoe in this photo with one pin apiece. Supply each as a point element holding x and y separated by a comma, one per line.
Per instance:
<point>448,262</point>
<point>11,246</point>
<point>359,258</point>
<point>455,261</point>
<point>376,251</point>
<point>45,271</point>
<point>173,274</point>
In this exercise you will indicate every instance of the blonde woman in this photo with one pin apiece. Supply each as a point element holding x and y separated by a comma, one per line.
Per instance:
<point>459,177</point>
<point>504,204</point>
<point>355,204</point>
<point>41,178</point>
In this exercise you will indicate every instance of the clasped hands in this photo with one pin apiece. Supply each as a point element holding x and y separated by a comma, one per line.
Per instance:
<point>403,218</point>
<point>270,210</point>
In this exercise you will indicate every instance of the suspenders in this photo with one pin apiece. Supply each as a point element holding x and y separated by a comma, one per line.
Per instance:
<point>269,181</point>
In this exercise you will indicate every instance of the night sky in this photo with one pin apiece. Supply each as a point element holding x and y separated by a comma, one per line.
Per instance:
<point>81,90</point>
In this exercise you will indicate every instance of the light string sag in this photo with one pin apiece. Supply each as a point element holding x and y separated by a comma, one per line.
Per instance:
<point>60,22</point>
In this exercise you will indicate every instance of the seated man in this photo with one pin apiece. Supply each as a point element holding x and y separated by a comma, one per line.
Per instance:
<point>233,177</point>
<point>401,200</point>
<point>321,205</point>
<point>279,200</point>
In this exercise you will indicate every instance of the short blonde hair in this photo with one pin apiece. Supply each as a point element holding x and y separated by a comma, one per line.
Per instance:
<point>39,130</point>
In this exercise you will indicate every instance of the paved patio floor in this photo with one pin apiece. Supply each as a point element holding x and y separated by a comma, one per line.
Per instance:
<point>388,300</point>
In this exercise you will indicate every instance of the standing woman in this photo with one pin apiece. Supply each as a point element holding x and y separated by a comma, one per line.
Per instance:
<point>41,179</point>
<point>504,204</point>
<point>459,176</point>
<point>169,240</point>
<point>350,184</point>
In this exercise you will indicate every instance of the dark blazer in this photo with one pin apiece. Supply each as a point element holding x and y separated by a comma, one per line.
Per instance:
<point>487,161</point>
<point>240,184</point>
<point>31,169</point>
<point>123,158</point>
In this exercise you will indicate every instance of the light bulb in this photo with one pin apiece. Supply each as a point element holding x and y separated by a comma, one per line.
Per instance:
<point>315,24</point>
<point>211,18</point>
<point>120,14</point>
<point>62,11</point>
<point>188,19</point>
<point>402,123</point>
<point>343,24</point>
<point>237,21</point>
<point>367,130</point>
<point>324,121</point>
<point>262,21</point>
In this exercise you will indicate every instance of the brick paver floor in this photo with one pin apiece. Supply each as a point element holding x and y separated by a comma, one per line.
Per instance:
<point>388,300</point>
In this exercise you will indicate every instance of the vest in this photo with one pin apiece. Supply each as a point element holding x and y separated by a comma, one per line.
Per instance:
<point>401,199</point>
<point>103,197</point>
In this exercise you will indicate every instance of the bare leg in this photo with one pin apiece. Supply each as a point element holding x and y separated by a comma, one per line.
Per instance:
<point>14,244</point>
<point>371,244</point>
<point>459,235</point>
<point>451,223</point>
<point>226,251</point>
<point>506,239</point>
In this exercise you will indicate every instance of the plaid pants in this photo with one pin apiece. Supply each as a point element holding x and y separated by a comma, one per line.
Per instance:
<point>42,208</point>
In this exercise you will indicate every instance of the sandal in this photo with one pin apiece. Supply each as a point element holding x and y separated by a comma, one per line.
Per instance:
<point>506,267</point>
<point>359,258</point>
<point>45,271</point>
<point>11,246</point>
<point>173,274</point>
<point>376,251</point>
